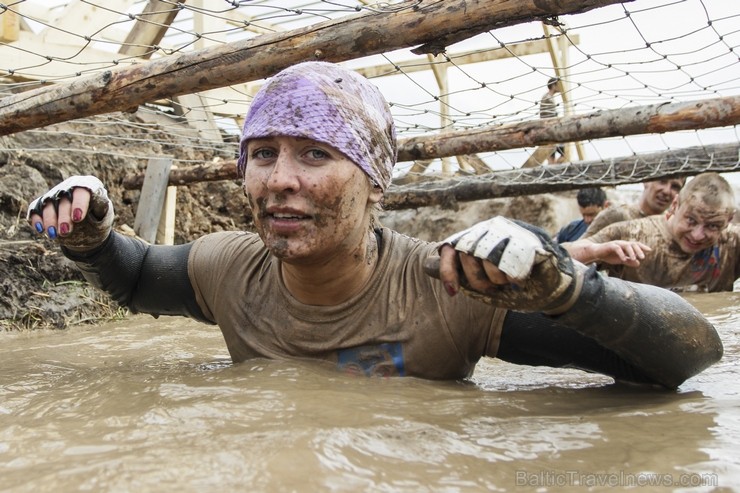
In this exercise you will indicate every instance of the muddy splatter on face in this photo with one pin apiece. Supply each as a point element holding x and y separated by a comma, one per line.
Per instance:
<point>310,203</point>
<point>696,226</point>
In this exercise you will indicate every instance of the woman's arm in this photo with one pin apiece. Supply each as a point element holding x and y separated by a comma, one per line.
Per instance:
<point>515,265</point>
<point>652,328</point>
<point>144,278</point>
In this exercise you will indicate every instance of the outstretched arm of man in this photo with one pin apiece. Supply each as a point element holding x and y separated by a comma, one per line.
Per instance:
<point>615,252</point>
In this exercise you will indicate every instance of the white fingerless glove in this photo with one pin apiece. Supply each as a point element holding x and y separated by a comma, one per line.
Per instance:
<point>547,278</point>
<point>93,230</point>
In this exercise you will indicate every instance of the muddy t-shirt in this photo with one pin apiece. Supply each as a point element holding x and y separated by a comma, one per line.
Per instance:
<point>714,269</point>
<point>611,215</point>
<point>401,323</point>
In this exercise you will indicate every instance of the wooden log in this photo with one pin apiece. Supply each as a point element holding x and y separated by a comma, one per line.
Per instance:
<point>215,171</point>
<point>656,118</point>
<point>557,178</point>
<point>431,23</point>
<point>707,113</point>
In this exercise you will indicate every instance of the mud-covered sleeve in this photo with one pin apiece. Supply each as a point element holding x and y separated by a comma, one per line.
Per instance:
<point>616,231</point>
<point>651,328</point>
<point>142,277</point>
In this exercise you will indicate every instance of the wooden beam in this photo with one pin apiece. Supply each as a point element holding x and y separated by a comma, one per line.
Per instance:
<point>558,45</point>
<point>433,23</point>
<point>149,28</point>
<point>561,177</point>
<point>657,118</point>
<point>440,75</point>
<point>10,25</point>
<point>463,58</point>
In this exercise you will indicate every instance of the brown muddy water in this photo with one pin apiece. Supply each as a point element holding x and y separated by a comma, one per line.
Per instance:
<point>151,405</point>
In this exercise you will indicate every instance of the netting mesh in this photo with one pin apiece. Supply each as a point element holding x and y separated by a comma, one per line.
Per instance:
<point>610,58</point>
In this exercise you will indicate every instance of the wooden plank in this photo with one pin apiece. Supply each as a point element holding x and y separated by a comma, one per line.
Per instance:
<point>539,156</point>
<point>10,26</point>
<point>149,28</point>
<point>166,228</point>
<point>463,58</point>
<point>434,23</point>
<point>152,198</point>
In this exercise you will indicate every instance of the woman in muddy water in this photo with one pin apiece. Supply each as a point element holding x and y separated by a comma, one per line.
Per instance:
<point>323,280</point>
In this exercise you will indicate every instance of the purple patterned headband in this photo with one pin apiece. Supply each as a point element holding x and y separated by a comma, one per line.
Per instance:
<point>330,104</point>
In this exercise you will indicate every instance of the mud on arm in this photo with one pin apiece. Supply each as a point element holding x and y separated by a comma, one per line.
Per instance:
<point>652,328</point>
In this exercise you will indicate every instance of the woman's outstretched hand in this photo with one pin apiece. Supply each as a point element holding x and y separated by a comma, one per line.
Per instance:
<point>509,264</point>
<point>76,212</point>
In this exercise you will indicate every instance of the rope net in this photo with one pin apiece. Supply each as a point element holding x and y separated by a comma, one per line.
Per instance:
<point>609,58</point>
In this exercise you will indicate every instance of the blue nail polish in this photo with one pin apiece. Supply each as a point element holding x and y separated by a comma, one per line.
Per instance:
<point>39,227</point>
<point>52,232</point>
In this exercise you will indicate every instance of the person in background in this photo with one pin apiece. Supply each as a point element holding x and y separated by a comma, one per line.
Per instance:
<point>656,197</point>
<point>693,247</point>
<point>549,109</point>
<point>321,279</point>
<point>591,201</point>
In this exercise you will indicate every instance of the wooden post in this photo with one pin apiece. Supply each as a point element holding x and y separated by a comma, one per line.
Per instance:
<point>166,229</point>
<point>10,23</point>
<point>152,199</point>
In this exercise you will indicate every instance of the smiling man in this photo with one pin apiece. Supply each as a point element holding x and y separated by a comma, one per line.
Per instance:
<point>656,197</point>
<point>694,247</point>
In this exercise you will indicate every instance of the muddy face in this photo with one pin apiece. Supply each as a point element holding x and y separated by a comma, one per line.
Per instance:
<point>696,226</point>
<point>659,194</point>
<point>310,203</point>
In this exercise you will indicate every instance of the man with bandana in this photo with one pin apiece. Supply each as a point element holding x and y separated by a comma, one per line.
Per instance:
<point>321,279</point>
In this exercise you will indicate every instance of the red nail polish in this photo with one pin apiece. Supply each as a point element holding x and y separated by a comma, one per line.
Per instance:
<point>77,215</point>
<point>450,289</point>
<point>63,229</point>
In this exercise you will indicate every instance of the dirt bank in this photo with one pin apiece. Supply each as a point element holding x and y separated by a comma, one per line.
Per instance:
<point>39,288</point>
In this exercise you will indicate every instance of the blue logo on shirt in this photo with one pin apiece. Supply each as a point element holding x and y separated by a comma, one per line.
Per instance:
<point>383,360</point>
